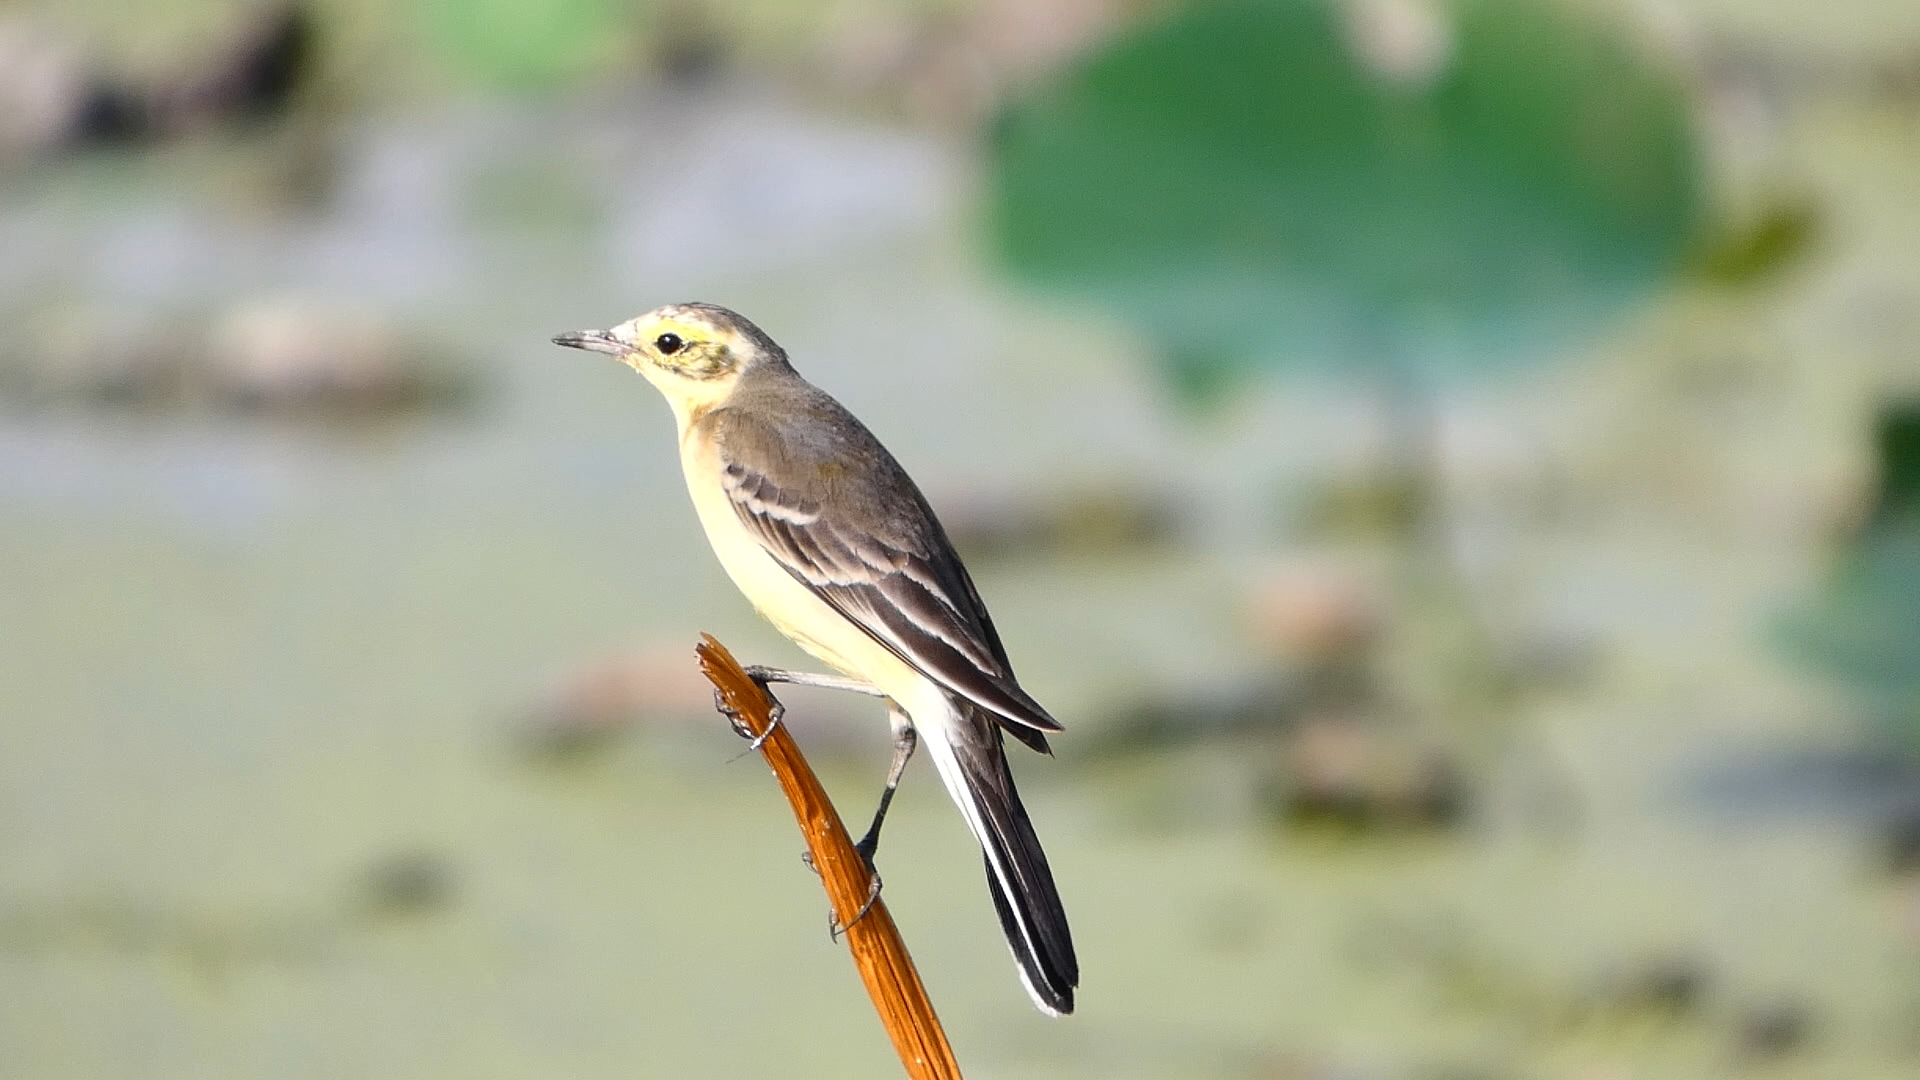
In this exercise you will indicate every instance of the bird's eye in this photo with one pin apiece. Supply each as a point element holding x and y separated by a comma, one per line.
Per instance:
<point>669,344</point>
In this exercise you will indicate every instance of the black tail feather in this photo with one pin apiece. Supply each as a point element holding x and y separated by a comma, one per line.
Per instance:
<point>1024,896</point>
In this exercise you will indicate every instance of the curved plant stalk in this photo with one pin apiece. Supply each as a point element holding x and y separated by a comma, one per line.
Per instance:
<point>878,952</point>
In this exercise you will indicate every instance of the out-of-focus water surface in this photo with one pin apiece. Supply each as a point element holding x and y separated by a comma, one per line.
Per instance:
<point>268,681</point>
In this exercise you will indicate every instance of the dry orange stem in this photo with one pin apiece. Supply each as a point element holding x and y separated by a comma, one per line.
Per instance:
<point>879,954</point>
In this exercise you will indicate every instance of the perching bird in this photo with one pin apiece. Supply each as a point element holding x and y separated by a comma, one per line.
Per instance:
<point>831,540</point>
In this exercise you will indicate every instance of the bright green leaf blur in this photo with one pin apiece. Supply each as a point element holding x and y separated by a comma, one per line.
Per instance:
<point>1242,187</point>
<point>521,44</point>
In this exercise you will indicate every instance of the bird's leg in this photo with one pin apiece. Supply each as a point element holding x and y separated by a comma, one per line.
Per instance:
<point>765,675</point>
<point>905,740</point>
<point>761,676</point>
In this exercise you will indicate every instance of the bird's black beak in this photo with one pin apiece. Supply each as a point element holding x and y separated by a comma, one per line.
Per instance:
<point>591,340</point>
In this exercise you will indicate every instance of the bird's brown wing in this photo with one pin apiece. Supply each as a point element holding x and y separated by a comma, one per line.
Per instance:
<point>835,510</point>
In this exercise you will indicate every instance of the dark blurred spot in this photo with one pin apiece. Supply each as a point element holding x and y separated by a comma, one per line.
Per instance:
<point>1669,986</point>
<point>1896,455</point>
<point>1672,984</point>
<point>1900,839</point>
<point>692,47</point>
<point>408,884</point>
<point>1351,773</point>
<point>1221,710</point>
<point>263,66</point>
<point>110,113</point>
<point>253,73</point>
<point>1773,1030</point>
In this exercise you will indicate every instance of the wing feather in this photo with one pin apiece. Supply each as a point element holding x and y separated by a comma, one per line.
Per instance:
<point>864,540</point>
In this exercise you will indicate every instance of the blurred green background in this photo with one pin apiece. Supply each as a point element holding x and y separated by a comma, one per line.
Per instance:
<point>1454,465</point>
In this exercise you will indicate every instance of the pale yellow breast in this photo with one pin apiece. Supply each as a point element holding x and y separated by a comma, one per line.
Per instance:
<point>797,612</point>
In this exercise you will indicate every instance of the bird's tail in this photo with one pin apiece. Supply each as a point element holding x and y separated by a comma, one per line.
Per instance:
<point>967,751</point>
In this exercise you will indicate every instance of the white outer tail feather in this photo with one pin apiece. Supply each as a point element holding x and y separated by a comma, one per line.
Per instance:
<point>932,725</point>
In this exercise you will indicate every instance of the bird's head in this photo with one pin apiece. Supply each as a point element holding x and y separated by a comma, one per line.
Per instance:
<point>694,353</point>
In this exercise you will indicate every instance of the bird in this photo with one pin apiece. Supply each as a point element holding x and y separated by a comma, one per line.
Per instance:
<point>835,545</point>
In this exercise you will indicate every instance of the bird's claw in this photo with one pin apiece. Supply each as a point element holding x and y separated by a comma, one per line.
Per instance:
<point>834,929</point>
<point>732,714</point>
<point>776,713</point>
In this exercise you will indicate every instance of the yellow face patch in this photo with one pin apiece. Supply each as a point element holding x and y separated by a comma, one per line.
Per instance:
<point>687,346</point>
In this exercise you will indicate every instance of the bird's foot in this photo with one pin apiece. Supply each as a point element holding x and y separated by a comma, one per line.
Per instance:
<point>776,712</point>
<point>834,929</point>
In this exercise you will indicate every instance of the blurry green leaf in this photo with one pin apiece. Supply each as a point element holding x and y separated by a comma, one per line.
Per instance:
<point>1896,443</point>
<point>1864,625</point>
<point>1746,255</point>
<point>525,42</point>
<point>1200,380</point>
<point>1273,181</point>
